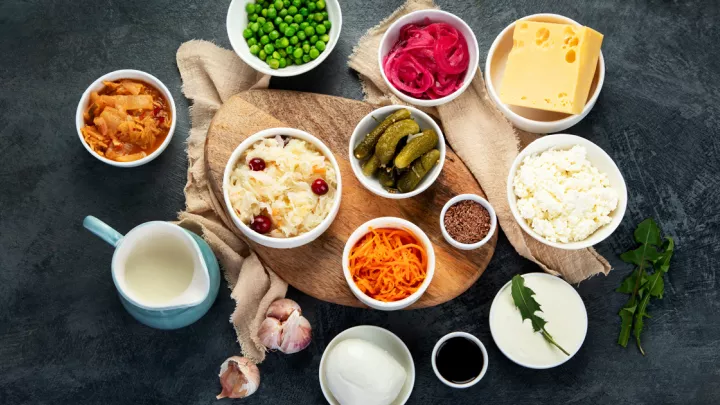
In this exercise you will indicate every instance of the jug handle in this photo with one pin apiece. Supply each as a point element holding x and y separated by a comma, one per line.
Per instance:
<point>102,230</point>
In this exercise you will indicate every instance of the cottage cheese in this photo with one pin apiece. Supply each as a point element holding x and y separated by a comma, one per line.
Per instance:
<point>562,196</point>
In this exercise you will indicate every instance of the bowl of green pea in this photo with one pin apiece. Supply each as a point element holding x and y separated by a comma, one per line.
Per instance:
<point>284,37</point>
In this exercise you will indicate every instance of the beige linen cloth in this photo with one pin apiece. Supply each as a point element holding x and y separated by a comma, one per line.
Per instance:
<point>474,128</point>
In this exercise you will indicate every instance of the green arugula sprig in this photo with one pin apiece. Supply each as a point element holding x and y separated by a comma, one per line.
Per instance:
<point>522,296</point>
<point>641,284</point>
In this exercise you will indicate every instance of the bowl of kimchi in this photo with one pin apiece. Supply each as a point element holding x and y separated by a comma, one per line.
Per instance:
<point>126,118</point>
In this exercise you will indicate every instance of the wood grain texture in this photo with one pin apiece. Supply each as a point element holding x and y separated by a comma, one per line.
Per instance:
<point>316,268</point>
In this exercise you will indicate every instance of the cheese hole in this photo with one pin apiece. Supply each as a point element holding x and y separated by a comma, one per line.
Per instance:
<point>569,32</point>
<point>523,26</point>
<point>547,100</point>
<point>541,36</point>
<point>523,98</point>
<point>570,56</point>
<point>574,41</point>
<point>562,95</point>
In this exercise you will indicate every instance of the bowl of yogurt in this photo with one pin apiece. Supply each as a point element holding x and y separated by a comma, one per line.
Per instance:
<point>562,309</point>
<point>566,192</point>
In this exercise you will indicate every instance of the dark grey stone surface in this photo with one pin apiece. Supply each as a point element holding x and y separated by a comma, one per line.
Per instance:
<point>65,339</point>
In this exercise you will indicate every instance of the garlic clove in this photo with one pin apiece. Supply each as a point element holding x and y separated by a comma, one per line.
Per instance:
<point>270,333</point>
<point>282,309</point>
<point>239,378</point>
<point>296,334</point>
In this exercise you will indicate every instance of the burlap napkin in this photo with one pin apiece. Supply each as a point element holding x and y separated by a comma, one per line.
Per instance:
<point>210,76</point>
<point>486,142</point>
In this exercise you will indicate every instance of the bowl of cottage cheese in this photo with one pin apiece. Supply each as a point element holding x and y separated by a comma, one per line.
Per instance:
<point>566,192</point>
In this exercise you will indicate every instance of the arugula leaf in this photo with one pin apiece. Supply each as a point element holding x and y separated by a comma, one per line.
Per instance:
<point>640,284</point>
<point>526,304</point>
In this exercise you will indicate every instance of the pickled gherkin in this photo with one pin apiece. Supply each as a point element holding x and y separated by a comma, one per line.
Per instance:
<point>385,148</point>
<point>419,169</point>
<point>370,166</point>
<point>366,147</point>
<point>416,147</point>
<point>387,177</point>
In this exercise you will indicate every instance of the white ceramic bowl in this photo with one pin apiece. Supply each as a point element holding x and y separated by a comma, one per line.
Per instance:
<point>479,200</point>
<point>502,344</point>
<point>237,21</point>
<point>388,222</point>
<point>295,241</point>
<point>601,160</point>
<point>368,123</point>
<point>385,340</point>
<point>125,74</point>
<point>473,339</point>
<point>530,119</point>
<point>391,36</point>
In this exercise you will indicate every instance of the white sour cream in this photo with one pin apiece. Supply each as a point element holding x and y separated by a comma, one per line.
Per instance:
<point>562,308</point>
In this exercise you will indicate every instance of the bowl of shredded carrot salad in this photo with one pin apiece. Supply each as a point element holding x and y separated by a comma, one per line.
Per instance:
<point>388,263</point>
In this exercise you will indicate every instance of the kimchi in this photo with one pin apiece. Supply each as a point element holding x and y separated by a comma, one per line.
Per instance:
<point>127,120</point>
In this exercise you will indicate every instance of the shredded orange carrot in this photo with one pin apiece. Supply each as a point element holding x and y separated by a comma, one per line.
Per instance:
<point>319,170</point>
<point>388,264</point>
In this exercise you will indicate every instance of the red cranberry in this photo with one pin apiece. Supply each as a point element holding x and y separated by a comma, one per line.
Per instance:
<point>257,164</point>
<point>261,224</point>
<point>320,187</point>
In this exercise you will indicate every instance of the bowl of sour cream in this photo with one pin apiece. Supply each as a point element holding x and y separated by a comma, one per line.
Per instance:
<point>563,310</point>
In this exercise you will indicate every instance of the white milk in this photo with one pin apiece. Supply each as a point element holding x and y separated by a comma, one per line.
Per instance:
<point>159,269</point>
<point>561,307</point>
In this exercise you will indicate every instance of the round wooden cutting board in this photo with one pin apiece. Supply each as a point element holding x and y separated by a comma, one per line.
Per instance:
<point>316,268</point>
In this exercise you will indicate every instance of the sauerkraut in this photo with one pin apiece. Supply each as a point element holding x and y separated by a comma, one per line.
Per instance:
<point>282,191</point>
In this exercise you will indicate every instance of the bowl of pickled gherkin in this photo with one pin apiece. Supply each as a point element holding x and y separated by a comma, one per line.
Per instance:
<point>397,151</point>
<point>283,37</point>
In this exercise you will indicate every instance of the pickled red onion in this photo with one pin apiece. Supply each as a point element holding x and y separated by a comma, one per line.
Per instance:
<point>428,61</point>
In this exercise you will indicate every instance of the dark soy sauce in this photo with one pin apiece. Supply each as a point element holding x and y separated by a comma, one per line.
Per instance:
<point>459,360</point>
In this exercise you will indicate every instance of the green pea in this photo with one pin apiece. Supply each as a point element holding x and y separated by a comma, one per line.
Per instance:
<point>311,6</point>
<point>309,31</point>
<point>314,53</point>
<point>264,39</point>
<point>252,41</point>
<point>292,10</point>
<point>268,49</point>
<point>304,12</point>
<point>284,42</point>
<point>314,39</point>
<point>296,3</point>
<point>282,27</point>
<point>263,12</point>
<point>305,43</point>
<point>278,21</point>
<point>297,61</point>
<point>268,27</point>
<point>290,31</point>
<point>294,40</point>
<point>253,17</point>
<point>247,33</point>
<point>298,18</point>
<point>306,48</point>
<point>262,55</point>
<point>288,19</point>
<point>283,63</point>
<point>320,4</point>
<point>298,53</point>
<point>290,49</point>
<point>301,35</point>
<point>254,49</point>
<point>303,25</point>
<point>250,8</point>
<point>320,45</point>
<point>274,35</point>
<point>327,24</point>
<point>261,31</point>
<point>325,38</point>
<point>286,3</point>
<point>276,55</point>
<point>325,14</point>
<point>319,17</point>
<point>279,5</point>
<point>254,27</point>
<point>313,24</point>
<point>306,58</point>
<point>320,29</point>
<point>296,26</point>
<point>261,20</point>
<point>272,13</point>
<point>283,13</point>
<point>273,63</point>
<point>289,61</point>
<point>282,53</point>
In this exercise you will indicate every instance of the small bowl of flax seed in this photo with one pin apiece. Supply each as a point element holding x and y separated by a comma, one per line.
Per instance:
<point>468,221</point>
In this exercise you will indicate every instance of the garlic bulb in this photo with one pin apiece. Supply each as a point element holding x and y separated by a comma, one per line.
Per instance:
<point>285,328</point>
<point>239,378</point>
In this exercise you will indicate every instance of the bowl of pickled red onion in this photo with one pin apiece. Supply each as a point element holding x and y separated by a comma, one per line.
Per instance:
<point>428,57</point>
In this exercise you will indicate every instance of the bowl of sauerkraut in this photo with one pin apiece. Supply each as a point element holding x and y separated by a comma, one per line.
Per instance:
<point>282,187</point>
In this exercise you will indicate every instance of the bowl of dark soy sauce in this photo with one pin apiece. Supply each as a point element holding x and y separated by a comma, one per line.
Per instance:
<point>459,360</point>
